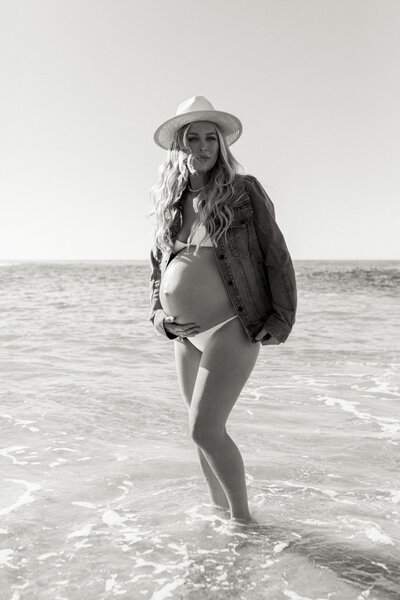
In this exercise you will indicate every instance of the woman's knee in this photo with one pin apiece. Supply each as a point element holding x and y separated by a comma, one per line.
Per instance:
<point>205,433</point>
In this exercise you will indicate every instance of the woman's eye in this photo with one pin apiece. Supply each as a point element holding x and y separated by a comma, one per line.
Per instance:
<point>209,139</point>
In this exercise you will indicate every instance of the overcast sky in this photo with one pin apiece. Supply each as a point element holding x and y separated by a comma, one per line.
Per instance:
<point>84,84</point>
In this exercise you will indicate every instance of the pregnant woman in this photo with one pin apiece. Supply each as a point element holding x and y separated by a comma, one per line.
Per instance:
<point>222,281</point>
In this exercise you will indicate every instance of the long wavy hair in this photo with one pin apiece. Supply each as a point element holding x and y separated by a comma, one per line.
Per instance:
<point>215,200</point>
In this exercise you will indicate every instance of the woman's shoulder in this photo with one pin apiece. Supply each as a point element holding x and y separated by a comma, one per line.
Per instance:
<point>245,180</point>
<point>249,189</point>
<point>245,184</point>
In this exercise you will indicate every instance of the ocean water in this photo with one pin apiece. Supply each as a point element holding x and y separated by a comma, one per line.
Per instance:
<point>101,495</point>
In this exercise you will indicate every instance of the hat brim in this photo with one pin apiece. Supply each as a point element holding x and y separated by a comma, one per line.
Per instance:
<point>230,126</point>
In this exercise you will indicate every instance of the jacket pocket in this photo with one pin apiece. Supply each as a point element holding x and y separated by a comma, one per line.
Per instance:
<point>238,235</point>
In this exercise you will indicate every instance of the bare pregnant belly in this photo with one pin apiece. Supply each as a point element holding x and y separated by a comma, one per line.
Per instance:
<point>192,290</point>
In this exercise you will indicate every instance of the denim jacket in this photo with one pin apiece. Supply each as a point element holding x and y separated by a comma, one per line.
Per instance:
<point>254,263</point>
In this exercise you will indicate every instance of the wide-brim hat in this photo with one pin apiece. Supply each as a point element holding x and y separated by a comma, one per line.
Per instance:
<point>194,109</point>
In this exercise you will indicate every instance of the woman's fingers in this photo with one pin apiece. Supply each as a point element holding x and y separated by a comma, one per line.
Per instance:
<point>180,329</point>
<point>261,334</point>
<point>187,329</point>
<point>191,331</point>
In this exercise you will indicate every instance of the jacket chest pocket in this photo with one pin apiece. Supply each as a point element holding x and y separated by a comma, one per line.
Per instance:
<point>239,235</point>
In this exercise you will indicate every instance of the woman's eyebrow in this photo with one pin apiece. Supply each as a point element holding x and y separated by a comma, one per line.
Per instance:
<point>208,133</point>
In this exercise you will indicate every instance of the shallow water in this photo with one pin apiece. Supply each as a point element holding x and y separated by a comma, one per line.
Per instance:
<point>101,493</point>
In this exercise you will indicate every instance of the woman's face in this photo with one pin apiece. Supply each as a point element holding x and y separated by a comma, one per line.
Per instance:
<point>204,144</point>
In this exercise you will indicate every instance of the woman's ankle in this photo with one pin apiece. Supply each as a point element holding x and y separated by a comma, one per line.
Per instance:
<point>220,501</point>
<point>243,517</point>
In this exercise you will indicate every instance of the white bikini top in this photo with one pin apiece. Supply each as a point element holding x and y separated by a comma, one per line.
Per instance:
<point>199,233</point>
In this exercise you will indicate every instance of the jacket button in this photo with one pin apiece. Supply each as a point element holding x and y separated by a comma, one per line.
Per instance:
<point>221,256</point>
<point>230,282</point>
<point>240,308</point>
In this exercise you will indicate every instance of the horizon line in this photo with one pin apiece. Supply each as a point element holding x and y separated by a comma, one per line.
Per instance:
<point>69,260</point>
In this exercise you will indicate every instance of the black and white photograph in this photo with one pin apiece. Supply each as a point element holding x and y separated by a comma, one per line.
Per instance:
<point>200,300</point>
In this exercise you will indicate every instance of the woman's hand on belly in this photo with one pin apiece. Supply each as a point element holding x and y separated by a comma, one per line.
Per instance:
<point>180,329</point>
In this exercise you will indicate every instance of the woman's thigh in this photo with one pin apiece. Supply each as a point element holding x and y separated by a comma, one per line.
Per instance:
<point>224,368</point>
<point>187,359</point>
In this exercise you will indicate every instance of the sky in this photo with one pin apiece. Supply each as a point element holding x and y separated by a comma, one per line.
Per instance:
<point>85,83</point>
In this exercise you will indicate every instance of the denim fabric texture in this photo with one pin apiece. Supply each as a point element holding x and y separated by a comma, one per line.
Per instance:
<point>254,262</point>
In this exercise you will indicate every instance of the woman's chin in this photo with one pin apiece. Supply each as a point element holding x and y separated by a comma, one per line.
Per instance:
<point>202,167</point>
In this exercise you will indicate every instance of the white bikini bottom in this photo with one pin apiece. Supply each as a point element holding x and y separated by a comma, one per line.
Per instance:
<point>201,339</point>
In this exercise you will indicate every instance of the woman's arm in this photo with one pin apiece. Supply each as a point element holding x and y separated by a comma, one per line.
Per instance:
<point>279,266</point>
<point>157,314</point>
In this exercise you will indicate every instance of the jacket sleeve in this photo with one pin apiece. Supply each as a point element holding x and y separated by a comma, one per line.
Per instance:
<point>279,266</point>
<point>157,314</point>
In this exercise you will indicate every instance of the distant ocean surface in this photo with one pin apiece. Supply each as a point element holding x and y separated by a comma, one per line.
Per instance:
<point>101,495</point>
